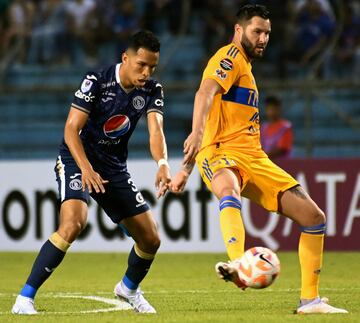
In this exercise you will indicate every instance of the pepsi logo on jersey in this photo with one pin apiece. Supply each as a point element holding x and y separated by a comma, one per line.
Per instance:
<point>116,126</point>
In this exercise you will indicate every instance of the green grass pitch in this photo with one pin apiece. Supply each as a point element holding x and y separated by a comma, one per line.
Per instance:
<point>182,287</point>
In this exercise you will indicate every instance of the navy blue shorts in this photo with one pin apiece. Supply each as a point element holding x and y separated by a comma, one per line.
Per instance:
<point>120,200</point>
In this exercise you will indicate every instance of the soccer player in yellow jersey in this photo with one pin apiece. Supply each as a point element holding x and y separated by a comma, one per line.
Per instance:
<point>225,141</point>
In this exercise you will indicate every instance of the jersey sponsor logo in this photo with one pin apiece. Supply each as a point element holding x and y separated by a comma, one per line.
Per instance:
<point>109,93</point>
<point>159,102</point>
<point>220,74</point>
<point>226,64</point>
<point>107,99</point>
<point>108,84</point>
<point>117,126</point>
<point>91,77</point>
<point>86,97</point>
<point>109,142</point>
<point>140,199</point>
<point>138,102</point>
<point>75,184</point>
<point>86,85</point>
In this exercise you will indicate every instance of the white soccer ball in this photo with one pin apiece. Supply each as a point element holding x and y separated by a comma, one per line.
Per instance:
<point>258,267</point>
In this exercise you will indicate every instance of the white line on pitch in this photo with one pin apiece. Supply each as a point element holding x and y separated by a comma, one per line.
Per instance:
<point>117,305</point>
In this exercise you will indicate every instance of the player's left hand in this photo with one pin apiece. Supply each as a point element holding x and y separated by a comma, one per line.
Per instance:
<point>163,179</point>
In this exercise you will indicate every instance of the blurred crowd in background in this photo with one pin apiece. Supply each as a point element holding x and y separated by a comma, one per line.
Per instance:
<point>71,32</point>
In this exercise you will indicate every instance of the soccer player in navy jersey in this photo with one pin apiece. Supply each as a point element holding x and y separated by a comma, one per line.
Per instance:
<point>92,162</point>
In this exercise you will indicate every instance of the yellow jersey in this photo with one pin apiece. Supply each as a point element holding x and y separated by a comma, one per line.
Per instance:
<point>233,119</point>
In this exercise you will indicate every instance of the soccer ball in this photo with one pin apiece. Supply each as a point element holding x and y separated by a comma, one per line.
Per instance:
<point>258,267</point>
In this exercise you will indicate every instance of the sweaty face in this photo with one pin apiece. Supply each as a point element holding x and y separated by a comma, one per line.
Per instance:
<point>256,37</point>
<point>139,66</point>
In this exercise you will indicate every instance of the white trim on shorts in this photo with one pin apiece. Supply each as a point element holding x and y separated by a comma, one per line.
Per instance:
<point>61,173</point>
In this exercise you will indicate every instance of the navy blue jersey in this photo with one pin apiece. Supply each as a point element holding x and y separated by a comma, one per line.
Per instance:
<point>113,115</point>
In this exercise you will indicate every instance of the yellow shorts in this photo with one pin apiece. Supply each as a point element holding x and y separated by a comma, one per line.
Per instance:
<point>262,180</point>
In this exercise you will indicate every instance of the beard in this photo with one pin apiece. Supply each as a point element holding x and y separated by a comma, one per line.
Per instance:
<point>250,49</point>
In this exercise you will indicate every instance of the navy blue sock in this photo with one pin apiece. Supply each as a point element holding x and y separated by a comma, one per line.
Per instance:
<point>47,260</point>
<point>138,268</point>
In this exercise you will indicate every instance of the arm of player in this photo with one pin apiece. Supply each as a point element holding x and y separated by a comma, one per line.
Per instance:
<point>159,151</point>
<point>74,123</point>
<point>203,100</point>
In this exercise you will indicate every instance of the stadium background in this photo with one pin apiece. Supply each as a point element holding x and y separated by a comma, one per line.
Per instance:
<point>46,47</point>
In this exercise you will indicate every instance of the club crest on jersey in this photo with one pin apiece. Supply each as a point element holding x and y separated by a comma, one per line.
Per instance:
<point>220,74</point>
<point>86,85</point>
<point>226,64</point>
<point>138,102</point>
<point>117,126</point>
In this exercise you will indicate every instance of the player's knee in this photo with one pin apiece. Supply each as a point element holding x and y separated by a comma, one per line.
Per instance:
<point>315,217</point>
<point>151,243</point>
<point>225,183</point>
<point>154,243</point>
<point>319,217</point>
<point>70,230</point>
<point>233,191</point>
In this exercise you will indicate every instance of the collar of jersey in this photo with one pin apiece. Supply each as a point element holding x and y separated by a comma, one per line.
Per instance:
<point>242,52</point>
<point>117,77</point>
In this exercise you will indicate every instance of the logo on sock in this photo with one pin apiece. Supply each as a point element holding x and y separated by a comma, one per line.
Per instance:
<point>232,240</point>
<point>49,270</point>
<point>317,272</point>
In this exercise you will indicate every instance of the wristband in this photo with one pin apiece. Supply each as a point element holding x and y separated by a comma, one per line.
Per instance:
<point>162,161</point>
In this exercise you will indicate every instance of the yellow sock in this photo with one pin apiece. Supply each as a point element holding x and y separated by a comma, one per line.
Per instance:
<point>232,226</point>
<point>310,256</point>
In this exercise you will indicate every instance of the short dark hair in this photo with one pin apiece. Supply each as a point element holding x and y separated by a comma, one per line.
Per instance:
<point>144,39</point>
<point>273,100</point>
<point>248,11</point>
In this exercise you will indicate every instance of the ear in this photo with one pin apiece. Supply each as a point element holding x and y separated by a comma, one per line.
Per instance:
<point>238,29</point>
<point>124,57</point>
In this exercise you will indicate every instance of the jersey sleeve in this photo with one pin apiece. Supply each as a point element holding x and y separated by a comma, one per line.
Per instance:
<point>88,92</point>
<point>157,101</point>
<point>223,69</point>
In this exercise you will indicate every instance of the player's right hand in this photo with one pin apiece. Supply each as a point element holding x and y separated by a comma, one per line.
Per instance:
<point>192,146</point>
<point>179,181</point>
<point>92,180</point>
